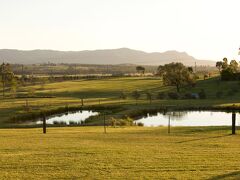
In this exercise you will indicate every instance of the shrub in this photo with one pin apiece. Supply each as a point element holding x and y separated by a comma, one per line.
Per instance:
<point>113,122</point>
<point>73,123</point>
<point>123,122</point>
<point>205,76</point>
<point>129,121</point>
<point>197,77</point>
<point>55,122</point>
<point>140,124</point>
<point>173,95</point>
<point>62,123</point>
<point>202,94</point>
<point>227,75</point>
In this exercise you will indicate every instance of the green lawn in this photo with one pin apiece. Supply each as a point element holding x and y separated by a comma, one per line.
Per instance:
<point>122,153</point>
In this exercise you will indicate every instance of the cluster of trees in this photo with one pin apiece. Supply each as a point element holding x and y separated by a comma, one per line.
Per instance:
<point>228,71</point>
<point>9,82</point>
<point>136,95</point>
<point>173,74</point>
<point>77,69</point>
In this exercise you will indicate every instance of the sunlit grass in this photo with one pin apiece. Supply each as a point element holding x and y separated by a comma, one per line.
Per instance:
<point>125,153</point>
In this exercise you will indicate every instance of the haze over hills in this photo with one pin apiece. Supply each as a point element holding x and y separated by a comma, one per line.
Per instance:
<point>108,56</point>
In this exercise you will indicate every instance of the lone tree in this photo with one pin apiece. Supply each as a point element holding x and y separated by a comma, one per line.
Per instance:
<point>225,63</point>
<point>176,74</point>
<point>123,95</point>
<point>149,97</point>
<point>136,95</point>
<point>6,76</point>
<point>140,69</point>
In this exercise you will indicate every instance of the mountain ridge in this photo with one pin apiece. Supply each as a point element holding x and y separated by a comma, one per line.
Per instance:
<point>99,56</point>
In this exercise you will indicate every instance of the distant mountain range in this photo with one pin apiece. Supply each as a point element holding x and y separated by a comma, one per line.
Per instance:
<point>108,56</point>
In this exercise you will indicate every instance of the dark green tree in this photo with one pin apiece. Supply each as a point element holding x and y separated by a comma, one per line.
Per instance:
<point>149,96</point>
<point>234,66</point>
<point>176,74</point>
<point>225,63</point>
<point>140,69</point>
<point>6,76</point>
<point>136,95</point>
<point>123,95</point>
<point>219,65</point>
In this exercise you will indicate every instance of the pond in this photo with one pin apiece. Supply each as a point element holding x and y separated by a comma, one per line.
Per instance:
<point>70,118</point>
<point>190,118</point>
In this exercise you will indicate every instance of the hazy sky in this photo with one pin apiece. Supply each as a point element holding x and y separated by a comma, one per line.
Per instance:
<point>206,29</point>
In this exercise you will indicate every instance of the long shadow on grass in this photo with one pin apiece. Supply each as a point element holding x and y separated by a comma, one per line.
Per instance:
<point>86,94</point>
<point>235,175</point>
<point>201,129</point>
<point>205,138</point>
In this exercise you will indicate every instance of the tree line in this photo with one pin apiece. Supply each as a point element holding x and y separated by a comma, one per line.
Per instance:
<point>228,70</point>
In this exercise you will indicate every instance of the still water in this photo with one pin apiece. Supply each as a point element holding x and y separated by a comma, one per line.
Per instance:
<point>68,118</point>
<point>190,118</point>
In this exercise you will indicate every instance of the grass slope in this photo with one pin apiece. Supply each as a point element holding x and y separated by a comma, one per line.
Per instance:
<point>122,153</point>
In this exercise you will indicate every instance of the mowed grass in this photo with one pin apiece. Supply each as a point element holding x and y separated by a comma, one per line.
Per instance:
<point>122,153</point>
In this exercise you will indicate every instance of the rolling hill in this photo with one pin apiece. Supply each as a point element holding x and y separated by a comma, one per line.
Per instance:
<point>108,56</point>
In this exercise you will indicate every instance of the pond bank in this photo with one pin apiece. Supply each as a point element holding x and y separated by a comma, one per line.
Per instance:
<point>112,111</point>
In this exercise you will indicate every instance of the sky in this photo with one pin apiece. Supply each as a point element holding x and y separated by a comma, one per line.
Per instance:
<point>205,29</point>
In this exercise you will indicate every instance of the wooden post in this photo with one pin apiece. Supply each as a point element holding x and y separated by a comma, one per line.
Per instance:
<point>169,125</point>
<point>67,107</point>
<point>26,105</point>
<point>104,123</point>
<point>233,123</point>
<point>82,101</point>
<point>44,124</point>
<point>22,70</point>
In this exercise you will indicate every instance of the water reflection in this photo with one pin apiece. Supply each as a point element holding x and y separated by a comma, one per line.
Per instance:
<point>70,118</point>
<point>189,118</point>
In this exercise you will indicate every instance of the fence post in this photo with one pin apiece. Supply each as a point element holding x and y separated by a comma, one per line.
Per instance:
<point>44,124</point>
<point>82,101</point>
<point>169,123</point>
<point>233,123</point>
<point>104,123</point>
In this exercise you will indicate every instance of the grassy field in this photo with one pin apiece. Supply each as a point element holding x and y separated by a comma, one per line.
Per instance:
<point>122,153</point>
<point>107,91</point>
